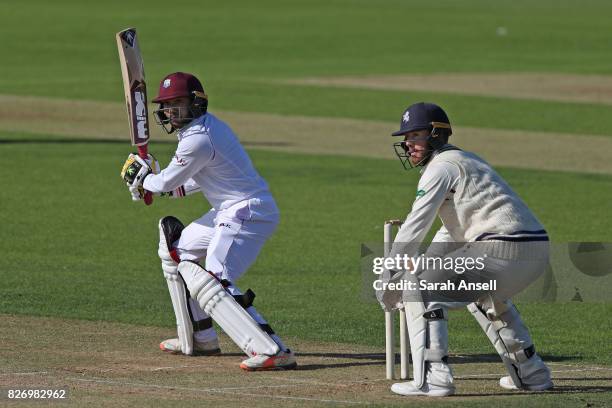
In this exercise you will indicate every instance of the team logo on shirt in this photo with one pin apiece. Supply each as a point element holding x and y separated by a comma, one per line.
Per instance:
<point>420,193</point>
<point>406,117</point>
<point>179,160</point>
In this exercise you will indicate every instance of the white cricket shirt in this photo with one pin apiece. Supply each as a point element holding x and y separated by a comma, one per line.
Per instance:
<point>471,199</point>
<point>210,156</point>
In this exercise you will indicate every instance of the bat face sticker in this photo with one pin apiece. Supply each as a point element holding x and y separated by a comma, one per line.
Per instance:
<point>140,111</point>
<point>128,37</point>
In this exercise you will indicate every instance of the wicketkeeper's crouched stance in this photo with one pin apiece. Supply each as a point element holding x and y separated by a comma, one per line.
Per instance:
<point>480,215</point>
<point>209,158</point>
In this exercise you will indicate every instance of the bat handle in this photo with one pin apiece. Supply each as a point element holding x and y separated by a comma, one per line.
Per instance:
<point>143,152</point>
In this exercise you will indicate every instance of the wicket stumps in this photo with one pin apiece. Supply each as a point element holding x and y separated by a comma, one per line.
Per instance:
<point>390,318</point>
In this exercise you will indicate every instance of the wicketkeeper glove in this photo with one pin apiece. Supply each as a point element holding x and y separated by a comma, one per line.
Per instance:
<point>135,170</point>
<point>390,299</point>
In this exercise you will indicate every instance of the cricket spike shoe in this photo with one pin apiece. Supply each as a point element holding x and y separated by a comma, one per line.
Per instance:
<point>438,383</point>
<point>283,360</point>
<point>200,348</point>
<point>428,390</point>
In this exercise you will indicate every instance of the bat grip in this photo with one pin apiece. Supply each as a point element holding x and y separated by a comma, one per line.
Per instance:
<point>143,152</point>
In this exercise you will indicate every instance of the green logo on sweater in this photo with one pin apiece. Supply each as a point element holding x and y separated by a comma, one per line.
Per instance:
<point>420,193</point>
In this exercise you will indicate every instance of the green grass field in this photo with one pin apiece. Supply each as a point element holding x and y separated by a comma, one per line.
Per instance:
<point>76,247</point>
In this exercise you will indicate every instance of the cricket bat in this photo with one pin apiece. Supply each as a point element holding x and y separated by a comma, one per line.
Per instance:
<point>134,85</point>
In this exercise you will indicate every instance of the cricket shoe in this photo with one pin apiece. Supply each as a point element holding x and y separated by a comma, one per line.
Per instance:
<point>438,383</point>
<point>535,376</point>
<point>200,348</point>
<point>283,360</point>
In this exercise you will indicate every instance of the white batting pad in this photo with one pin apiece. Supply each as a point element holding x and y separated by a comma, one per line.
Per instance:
<point>178,294</point>
<point>505,351</point>
<point>417,332</point>
<point>184,327</point>
<point>224,310</point>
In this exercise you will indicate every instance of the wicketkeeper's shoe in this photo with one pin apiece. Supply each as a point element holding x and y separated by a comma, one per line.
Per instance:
<point>438,383</point>
<point>200,348</point>
<point>535,376</point>
<point>283,360</point>
<point>428,390</point>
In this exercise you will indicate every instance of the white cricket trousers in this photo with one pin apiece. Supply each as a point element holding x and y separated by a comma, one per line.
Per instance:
<point>228,241</point>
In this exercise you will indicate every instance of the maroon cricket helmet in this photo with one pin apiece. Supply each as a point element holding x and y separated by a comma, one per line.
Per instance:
<point>176,85</point>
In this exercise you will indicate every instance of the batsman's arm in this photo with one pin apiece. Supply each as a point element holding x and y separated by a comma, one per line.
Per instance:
<point>191,156</point>
<point>186,189</point>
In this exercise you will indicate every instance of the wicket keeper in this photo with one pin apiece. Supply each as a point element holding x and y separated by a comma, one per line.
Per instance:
<point>481,215</point>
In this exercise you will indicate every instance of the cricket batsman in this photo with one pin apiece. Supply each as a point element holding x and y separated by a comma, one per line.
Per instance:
<point>202,261</point>
<point>482,218</point>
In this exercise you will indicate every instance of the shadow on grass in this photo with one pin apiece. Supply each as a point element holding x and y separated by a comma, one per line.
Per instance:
<point>374,359</point>
<point>493,358</point>
<point>556,390</point>
<point>73,141</point>
<point>120,141</point>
